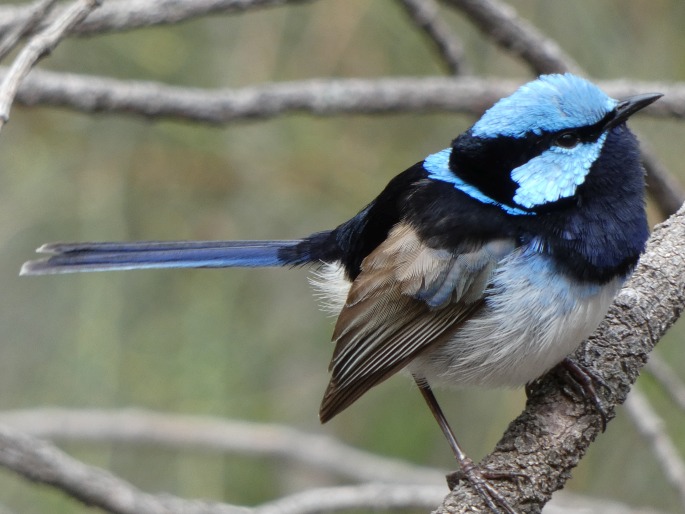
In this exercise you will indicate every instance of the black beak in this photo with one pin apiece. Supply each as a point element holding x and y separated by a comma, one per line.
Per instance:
<point>630,106</point>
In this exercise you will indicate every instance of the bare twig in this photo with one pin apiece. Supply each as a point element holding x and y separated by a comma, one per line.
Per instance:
<point>318,97</point>
<point>366,496</point>
<point>425,15</point>
<point>499,21</point>
<point>668,379</point>
<point>36,12</point>
<point>135,426</point>
<point>321,97</point>
<point>41,462</point>
<point>122,15</point>
<point>566,503</point>
<point>38,47</point>
<point>666,189</point>
<point>385,497</point>
<point>651,427</point>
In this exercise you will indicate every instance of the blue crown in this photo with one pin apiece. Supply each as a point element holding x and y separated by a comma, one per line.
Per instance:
<point>549,104</point>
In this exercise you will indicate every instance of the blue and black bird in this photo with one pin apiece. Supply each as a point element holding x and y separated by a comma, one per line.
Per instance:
<point>487,263</point>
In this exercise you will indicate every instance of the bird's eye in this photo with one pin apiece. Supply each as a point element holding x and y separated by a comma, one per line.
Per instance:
<point>567,140</point>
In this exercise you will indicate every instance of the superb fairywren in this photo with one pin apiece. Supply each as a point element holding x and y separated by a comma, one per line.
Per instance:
<point>487,263</point>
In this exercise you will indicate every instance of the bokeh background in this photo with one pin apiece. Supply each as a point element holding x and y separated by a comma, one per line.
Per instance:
<point>252,344</point>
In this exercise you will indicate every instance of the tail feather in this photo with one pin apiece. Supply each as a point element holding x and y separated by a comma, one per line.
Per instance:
<point>81,257</point>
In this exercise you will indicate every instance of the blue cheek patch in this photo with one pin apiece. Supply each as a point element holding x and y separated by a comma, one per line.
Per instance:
<point>437,166</point>
<point>554,174</point>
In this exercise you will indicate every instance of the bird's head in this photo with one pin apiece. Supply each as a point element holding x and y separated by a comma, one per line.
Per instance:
<point>536,147</point>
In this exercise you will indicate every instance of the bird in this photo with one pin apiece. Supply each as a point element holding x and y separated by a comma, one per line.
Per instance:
<point>485,264</point>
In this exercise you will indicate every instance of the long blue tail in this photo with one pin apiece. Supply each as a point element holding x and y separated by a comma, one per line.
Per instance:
<point>78,257</point>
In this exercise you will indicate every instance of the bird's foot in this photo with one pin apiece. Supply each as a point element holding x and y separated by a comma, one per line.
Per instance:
<point>479,479</point>
<point>583,381</point>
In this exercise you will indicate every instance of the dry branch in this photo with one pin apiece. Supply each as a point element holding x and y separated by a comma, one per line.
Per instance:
<point>651,427</point>
<point>215,435</point>
<point>39,46</point>
<point>668,379</point>
<point>319,97</point>
<point>123,15</point>
<point>426,16</point>
<point>500,22</point>
<point>36,12</point>
<point>41,462</point>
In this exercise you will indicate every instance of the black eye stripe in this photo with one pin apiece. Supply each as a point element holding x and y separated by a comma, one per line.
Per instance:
<point>486,163</point>
<point>590,133</point>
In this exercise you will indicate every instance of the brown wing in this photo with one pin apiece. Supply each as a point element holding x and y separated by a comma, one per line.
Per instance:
<point>406,298</point>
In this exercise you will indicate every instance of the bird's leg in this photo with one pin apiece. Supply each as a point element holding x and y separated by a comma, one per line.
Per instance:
<point>468,469</point>
<point>584,380</point>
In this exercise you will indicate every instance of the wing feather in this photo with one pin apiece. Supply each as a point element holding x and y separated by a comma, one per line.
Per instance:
<point>407,297</point>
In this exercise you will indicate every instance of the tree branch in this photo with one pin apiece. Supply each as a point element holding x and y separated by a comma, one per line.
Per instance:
<point>548,439</point>
<point>500,22</point>
<point>668,379</point>
<point>365,496</point>
<point>319,97</point>
<point>136,426</point>
<point>39,46</point>
<point>123,15</point>
<point>426,16</point>
<point>651,427</point>
<point>665,188</point>
<point>41,462</point>
<point>36,12</point>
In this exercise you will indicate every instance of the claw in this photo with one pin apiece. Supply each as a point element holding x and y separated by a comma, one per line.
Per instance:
<point>480,480</point>
<point>583,380</point>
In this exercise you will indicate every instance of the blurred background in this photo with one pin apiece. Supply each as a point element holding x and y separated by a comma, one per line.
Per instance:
<point>252,344</point>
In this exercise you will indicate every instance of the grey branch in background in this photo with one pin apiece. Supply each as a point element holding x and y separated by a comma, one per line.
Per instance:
<point>41,462</point>
<point>11,37</point>
<point>668,379</point>
<point>136,427</point>
<point>21,452</point>
<point>652,428</point>
<point>319,97</point>
<point>426,16</point>
<point>40,45</point>
<point>500,22</point>
<point>123,15</point>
